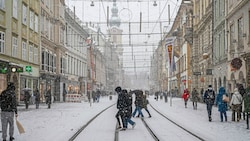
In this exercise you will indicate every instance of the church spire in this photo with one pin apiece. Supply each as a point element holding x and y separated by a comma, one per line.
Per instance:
<point>115,20</point>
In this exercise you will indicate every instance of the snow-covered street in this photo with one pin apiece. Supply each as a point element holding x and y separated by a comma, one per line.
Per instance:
<point>61,121</point>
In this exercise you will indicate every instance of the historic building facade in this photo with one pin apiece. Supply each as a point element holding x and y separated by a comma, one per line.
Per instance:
<point>19,44</point>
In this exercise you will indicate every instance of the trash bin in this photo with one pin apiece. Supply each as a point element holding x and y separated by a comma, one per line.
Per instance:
<point>110,97</point>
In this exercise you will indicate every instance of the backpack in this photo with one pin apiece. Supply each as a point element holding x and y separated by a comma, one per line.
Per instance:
<point>209,97</point>
<point>211,94</point>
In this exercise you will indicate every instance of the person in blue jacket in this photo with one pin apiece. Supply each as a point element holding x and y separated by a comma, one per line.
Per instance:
<point>222,105</point>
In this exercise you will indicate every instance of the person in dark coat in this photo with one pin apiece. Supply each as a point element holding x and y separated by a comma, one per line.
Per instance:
<point>48,98</point>
<point>222,105</point>
<point>145,105</point>
<point>9,109</point>
<point>138,103</point>
<point>246,105</point>
<point>120,106</point>
<point>209,98</point>
<point>242,91</point>
<point>128,109</point>
<point>27,98</point>
<point>37,98</point>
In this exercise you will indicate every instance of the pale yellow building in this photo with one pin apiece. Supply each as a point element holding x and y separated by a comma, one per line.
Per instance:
<point>19,44</point>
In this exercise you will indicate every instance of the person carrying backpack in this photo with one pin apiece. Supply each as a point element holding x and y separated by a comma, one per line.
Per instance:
<point>209,98</point>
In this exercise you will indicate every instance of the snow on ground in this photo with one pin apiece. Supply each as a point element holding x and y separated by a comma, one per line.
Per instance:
<point>63,120</point>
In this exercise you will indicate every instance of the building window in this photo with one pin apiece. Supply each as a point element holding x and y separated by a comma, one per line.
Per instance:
<point>31,20</point>
<point>31,53</point>
<point>24,50</point>
<point>14,9</point>
<point>2,4</point>
<point>240,33</point>
<point>14,46</point>
<point>61,35</point>
<point>232,40</point>
<point>51,35</point>
<point>2,42</point>
<point>54,63</point>
<point>36,55</point>
<point>24,20</point>
<point>36,23</point>
<point>44,60</point>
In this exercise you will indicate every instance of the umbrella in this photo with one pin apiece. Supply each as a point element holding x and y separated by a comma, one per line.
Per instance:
<point>26,89</point>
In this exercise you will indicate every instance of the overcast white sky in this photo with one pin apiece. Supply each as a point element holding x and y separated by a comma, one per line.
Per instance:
<point>151,30</point>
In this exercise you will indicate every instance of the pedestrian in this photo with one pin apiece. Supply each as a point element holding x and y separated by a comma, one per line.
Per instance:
<point>120,106</point>
<point>235,105</point>
<point>201,93</point>
<point>48,98</point>
<point>157,95</point>
<point>209,98</point>
<point>37,98</point>
<point>128,109</point>
<point>195,98</point>
<point>9,109</point>
<point>242,92</point>
<point>185,97</point>
<point>222,105</point>
<point>27,98</point>
<point>246,105</point>
<point>145,105</point>
<point>138,104</point>
<point>165,94</point>
<point>64,94</point>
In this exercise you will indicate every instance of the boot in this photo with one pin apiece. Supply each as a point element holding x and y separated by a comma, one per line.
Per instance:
<point>12,138</point>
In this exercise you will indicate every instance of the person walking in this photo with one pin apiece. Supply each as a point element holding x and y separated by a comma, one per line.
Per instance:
<point>235,104</point>
<point>209,98</point>
<point>138,104</point>
<point>9,110</point>
<point>37,98</point>
<point>48,98</point>
<point>128,109</point>
<point>27,99</point>
<point>185,97</point>
<point>195,98</point>
<point>222,105</point>
<point>145,105</point>
<point>246,105</point>
<point>120,106</point>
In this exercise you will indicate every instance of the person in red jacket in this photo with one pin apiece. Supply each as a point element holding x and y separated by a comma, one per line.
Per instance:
<point>185,97</point>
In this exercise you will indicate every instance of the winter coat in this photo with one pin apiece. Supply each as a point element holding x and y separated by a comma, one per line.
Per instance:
<point>139,100</point>
<point>8,100</point>
<point>37,96</point>
<point>144,101</point>
<point>121,102</point>
<point>246,101</point>
<point>48,97</point>
<point>128,106</point>
<point>185,95</point>
<point>222,106</point>
<point>195,95</point>
<point>209,96</point>
<point>27,96</point>
<point>236,98</point>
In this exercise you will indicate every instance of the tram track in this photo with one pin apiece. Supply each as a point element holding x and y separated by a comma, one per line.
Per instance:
<point>173,122</point>
<point>78,132</point>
